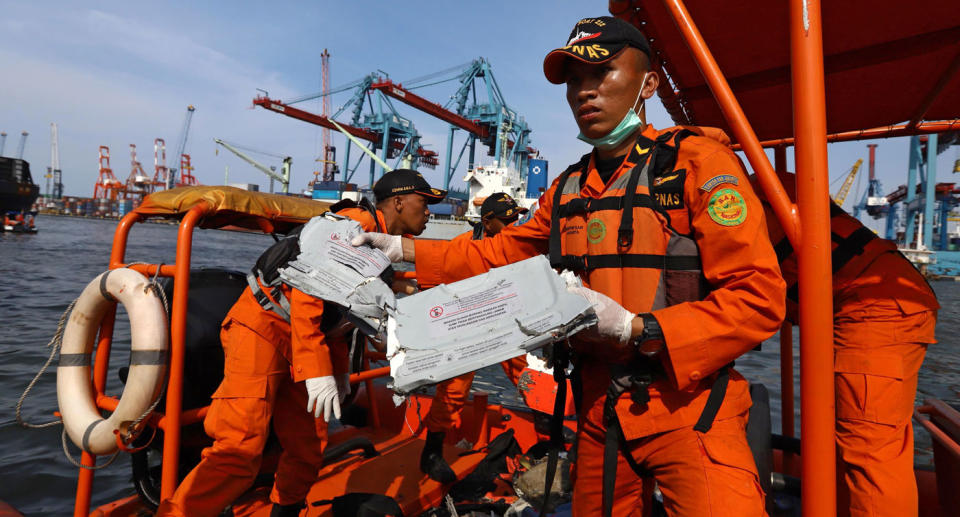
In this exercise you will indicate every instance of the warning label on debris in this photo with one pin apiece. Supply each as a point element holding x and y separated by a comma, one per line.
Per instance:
<point>363,260</point>
<point>421,362</point>
<point>481,308</point>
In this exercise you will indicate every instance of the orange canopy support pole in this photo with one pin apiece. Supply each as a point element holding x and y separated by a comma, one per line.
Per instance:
<point>178,331</point>
<point>81,505</point>
<point>733,113</point>
<point>818,461</point>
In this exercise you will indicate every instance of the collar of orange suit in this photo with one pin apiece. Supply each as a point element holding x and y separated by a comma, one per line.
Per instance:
<point>638,153</point>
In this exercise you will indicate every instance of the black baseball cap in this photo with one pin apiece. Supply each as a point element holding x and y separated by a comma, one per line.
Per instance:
<point>594,40</point>
<point>406,181</point>
<point>501,206</point>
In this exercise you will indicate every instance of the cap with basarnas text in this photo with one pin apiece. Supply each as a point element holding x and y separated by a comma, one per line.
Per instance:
<point>406,181</point>
<point>594,40</point>
<point>501,206</point>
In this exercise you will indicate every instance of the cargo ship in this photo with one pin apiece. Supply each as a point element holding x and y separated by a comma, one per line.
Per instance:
<point>18,192</point>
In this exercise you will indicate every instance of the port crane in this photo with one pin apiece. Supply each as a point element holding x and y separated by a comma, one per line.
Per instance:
<point>160,171</point>
<point>283,177</point>
<point>384,128</point>
<point>479,109</point>
<point>107,185</point>
<point>22,145</point>
<point>54,172</point>
<point>872,201</point>
<point>841,194</point>
<point>186,170</point>
<point>138,184</point>
<point>3,141</point>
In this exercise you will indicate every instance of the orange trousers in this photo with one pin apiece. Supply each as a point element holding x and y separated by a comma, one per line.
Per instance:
<point>256,386</point>
<point>709,474</point>
<point>451,395</point>
<point>879,351</point>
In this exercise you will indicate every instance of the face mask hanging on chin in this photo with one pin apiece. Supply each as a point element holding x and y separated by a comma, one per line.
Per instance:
<point>630,122</point>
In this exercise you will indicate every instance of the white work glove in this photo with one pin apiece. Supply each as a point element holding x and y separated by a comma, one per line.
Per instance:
<point>613,321</point>
<point>390,245</point>
<point>343,387</point>
<point>322,397</point>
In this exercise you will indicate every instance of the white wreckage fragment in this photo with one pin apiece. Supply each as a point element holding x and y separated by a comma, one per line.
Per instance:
<point>457,328</point>
<point>330,268</point>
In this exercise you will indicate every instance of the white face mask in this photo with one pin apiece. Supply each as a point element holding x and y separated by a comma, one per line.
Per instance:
<point>630,122</point>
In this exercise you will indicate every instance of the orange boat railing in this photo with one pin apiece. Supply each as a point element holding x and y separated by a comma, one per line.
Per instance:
<point>174,417</point>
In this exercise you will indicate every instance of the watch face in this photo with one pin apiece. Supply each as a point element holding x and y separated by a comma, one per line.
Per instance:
<point>651,347</point>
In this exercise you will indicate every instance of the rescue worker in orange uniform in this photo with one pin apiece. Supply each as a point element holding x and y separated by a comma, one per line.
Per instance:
<point>275,366</point>
<point>677,263</point>
<point>498,211</point>
<point>884,318</point>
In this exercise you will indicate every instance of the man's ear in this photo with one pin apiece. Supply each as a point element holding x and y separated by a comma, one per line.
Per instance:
<point>650,87</point>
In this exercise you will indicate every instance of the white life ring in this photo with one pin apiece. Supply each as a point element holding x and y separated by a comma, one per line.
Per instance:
<point>148,358</point>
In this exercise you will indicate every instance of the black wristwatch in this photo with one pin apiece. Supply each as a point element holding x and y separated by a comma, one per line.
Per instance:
<point>650,341</point>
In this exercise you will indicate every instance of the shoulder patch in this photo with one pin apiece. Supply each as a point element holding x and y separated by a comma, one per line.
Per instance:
<point>727,207</point>
<point>667,189</point>
<point>713,182</point>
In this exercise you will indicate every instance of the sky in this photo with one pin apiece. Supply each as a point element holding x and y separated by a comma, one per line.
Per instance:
<point>118,73</point>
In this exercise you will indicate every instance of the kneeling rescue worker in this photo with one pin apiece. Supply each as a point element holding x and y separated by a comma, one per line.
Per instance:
<point>496,213</point>
<point>669,238</point>
<point>884,314</point>
<point>283,354</point>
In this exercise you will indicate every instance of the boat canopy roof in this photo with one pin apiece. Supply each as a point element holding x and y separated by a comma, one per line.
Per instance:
<point>886,61</point>
<point>230,206</point>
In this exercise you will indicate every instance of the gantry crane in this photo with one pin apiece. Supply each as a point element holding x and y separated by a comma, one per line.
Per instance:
<point>385,129</point>
<point>54,172</point>
<point>283,177</point>
<point>107,186</point>
<point>841,194</point>
<point>138,183</point>
<point>486,117</point>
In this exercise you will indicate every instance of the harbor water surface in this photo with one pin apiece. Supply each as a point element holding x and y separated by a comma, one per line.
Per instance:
<point>41,274</point>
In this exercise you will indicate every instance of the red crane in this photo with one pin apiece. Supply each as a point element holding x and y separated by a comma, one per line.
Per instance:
<point>397,91</point>
<point>107,185</point>
<point>426,156</point>
<point>138,183</point>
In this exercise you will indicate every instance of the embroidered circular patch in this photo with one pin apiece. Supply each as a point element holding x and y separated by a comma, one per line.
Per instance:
<point>727,207</point>
<point>596,231</point>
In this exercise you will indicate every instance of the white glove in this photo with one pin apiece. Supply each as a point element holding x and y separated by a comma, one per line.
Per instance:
<point>613,321</point>
<point>390,245</point>
<point>322,397</point>
<point>343,387</point>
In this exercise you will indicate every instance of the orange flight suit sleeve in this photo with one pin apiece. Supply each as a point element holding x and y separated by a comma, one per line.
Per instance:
<point>747,303</point>
<point>439,262</point>
<point>309,350</point>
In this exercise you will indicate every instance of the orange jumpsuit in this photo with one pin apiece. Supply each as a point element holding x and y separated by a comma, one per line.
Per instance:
<point>265,361</point>
<point>884,318</point>
<point>710,473</point>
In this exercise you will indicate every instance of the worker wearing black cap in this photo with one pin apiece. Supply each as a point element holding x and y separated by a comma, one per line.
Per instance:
<point>283,356</point>
<point>669,240</point>
<point>496,213</point>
